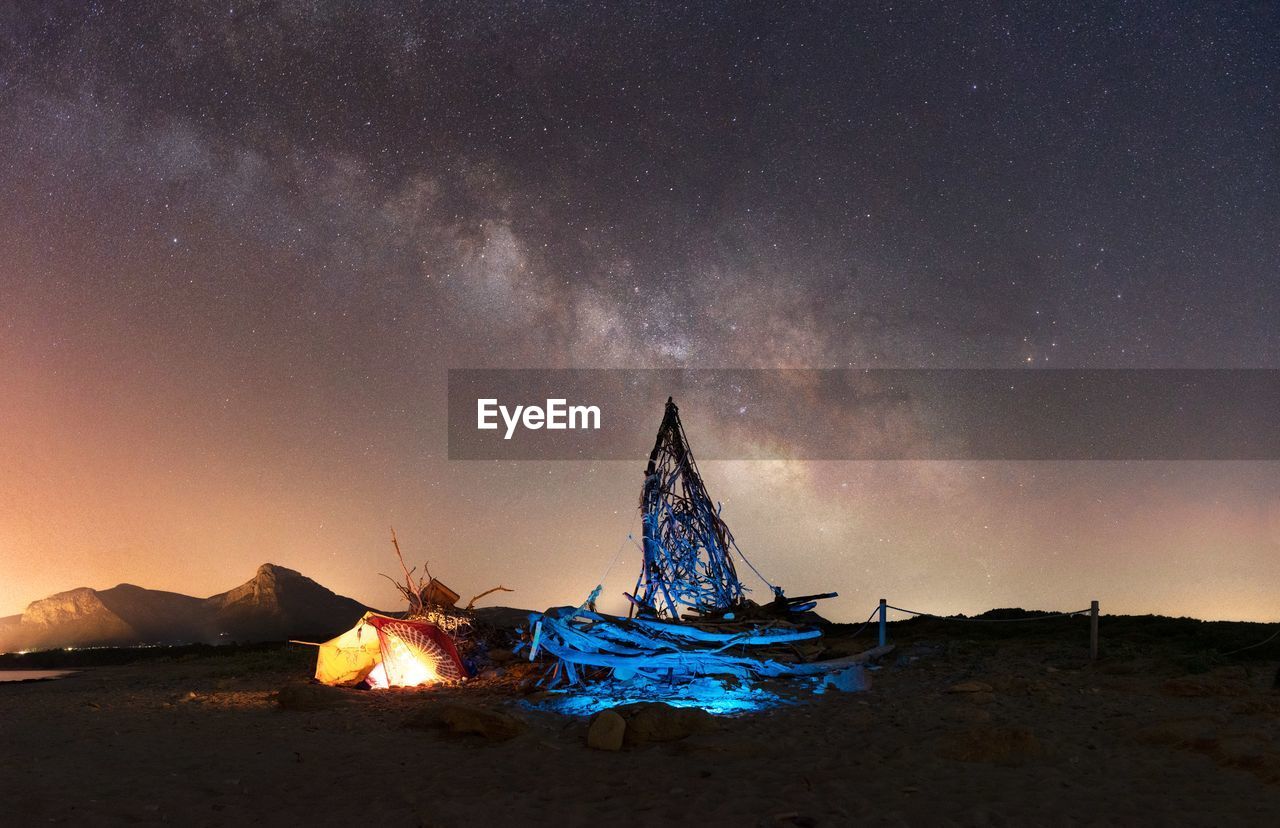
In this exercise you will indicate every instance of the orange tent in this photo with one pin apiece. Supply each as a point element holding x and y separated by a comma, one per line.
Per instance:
<point>390,652</point>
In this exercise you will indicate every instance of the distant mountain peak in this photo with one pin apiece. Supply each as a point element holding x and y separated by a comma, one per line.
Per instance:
<point>75,617</point>
<point>269,585</point>
<point>276,603</point>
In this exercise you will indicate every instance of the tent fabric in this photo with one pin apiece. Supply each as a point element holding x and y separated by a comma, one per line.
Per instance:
<point>416,652</point>
<point>389,651</point>
<point>349,658</point>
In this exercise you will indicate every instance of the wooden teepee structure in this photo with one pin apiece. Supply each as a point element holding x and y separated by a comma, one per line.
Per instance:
<point>688,549</point>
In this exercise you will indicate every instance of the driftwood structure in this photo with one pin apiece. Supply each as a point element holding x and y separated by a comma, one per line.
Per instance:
<point>430,600</point>
<point>425,593</point>
<point>690,616</point>
<point>688,549</point>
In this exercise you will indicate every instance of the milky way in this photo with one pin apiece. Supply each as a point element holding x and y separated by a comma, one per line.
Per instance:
<point>241,245</point>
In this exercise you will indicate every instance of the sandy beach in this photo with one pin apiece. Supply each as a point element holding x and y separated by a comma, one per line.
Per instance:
<point>1016,731</point>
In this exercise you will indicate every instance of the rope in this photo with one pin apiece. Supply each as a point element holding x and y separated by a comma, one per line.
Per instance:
<point>1261,643</point>
<point>748,562</point>
<point>698,474</point>
<point>616,554</point>
<point>595,593</point>
<point>866,624</point>
<point>991,620</point>
<point>1266,640</point>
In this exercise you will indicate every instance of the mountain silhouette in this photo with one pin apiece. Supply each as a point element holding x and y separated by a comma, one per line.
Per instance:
<point>276,603</point>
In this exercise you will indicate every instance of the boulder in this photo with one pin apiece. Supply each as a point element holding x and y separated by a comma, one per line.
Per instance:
<point>465,719</point>
<point>851,680</point>
<point>970,687</point>
<point>649,722</point>
<point>606,731</point>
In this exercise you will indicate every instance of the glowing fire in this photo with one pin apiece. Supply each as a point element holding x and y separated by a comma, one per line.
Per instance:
<point>377,678</point>
<point>401,666</point>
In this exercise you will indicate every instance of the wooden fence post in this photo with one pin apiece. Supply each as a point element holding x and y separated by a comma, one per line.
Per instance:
<point>883,631</point>
<point>1093,631</point>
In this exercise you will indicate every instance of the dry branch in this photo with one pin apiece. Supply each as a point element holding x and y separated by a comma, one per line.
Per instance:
<point>472,603</point>
<point>412,589</point>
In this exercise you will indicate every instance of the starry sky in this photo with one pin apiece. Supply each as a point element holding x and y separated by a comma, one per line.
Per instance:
<point>241,244</point>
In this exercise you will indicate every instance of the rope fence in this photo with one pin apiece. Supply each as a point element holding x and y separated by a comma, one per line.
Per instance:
<point>1084,611</point>
<point>1266,640</point>
<point>865,624</point>
<point>885,606</point>
<point>1092,611</point>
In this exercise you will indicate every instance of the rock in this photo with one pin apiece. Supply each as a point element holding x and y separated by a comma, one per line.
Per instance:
<point>1007,745</point>
<point>305,697</point>
<point>970,687</point>
<point>659,722</point>
<point>465,719</point>
<point>606,731</point>
<point>851,680</point>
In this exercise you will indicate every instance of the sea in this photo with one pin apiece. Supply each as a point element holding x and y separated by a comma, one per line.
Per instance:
<point>32,675</point>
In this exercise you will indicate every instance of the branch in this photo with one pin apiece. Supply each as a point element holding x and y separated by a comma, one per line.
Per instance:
<point>396,544</point>
<point>472,602</point>
<point>411,591</point>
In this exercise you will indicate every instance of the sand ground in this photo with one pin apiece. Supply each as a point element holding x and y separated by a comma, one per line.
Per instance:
<point>1054,741</point>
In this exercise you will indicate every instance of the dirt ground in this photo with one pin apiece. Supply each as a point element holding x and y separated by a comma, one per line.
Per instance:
<point>989,732</point>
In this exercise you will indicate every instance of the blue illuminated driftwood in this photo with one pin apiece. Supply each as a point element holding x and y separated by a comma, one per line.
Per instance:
<point>688,573</point>
<point>582,640</point>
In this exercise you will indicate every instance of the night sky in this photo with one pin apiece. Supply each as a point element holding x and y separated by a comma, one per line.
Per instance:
<point>241,245</point>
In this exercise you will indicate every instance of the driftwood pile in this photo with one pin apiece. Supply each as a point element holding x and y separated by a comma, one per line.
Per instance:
<point>430,600</point>
<point>690,617</point>
<point>589,646</point>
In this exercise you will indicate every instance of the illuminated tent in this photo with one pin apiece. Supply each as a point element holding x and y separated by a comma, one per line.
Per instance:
<point>389,652</point>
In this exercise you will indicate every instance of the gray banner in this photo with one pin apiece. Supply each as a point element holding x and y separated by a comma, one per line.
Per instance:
<point>878,414</point>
